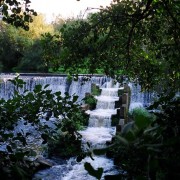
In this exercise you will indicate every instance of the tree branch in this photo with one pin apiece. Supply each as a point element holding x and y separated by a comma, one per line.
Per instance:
<point>142,16</point>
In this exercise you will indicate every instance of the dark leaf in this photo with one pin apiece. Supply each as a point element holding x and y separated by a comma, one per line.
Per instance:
<point>9,149</point>
<point>96,173</point>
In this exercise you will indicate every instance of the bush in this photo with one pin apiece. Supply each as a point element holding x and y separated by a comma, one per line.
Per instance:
<point>30,106</point>
<point>148,147</point>
<point>66,142</point>
<point>90,100</point>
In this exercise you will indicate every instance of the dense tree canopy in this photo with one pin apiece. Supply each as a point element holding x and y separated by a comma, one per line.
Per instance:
<point>22,50</point>
<point>138,38</point>
<point>12,47</point>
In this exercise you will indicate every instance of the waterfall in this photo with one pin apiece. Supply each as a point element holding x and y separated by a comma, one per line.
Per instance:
<point>101,116</point>
<point>82,87</point>
<point>139,98</point>
<point>98,132</point>
<point>56,83</point>
<point>105,108</point>
<point>7,88</point>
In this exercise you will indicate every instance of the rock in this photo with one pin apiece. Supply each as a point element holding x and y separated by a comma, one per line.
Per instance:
<point>85,107</point>
<point>118,128</point>
<point>45,162</point>
<point>42,163</point>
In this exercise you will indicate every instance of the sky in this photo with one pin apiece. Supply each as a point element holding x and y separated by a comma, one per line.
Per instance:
<point>66,8</point>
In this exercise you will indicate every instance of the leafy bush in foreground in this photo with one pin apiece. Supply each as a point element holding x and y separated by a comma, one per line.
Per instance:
<point>148,148</point>
<point>31,107</point>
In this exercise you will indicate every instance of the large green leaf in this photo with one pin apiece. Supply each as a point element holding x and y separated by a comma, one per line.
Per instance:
<point>96,173</point>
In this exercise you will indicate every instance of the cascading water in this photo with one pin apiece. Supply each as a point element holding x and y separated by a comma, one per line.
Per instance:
<point>7,88</point>
<point>98,132</point>
<point>104,108</point>
<point>56,83</point>
<point>139,98</point>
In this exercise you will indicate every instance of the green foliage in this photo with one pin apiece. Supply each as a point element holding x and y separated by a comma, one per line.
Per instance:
<point>22,51</point>
<point>32,60</point>
<point>96,173</point>
<point>95,90</point>
<point>19,15</point>
<point>38,27</point>
<point>51,46</point>
<point>141,117</point>
<point>65,145</point>
<point>90,100</point>
<point>29,106</point>
<point>67,142</point>
<point>137,38</point>
<point>148,147</point>
<point>12,47</point>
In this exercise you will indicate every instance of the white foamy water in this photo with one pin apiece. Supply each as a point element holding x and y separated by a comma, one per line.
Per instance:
<point>107,98</point>
<point>139,98</point>
<point>109,91</point>
<point>134,105</point>
<point>97,134</point>
<point>76,171</point>
<point>106,102</point>
<point>56,83</point>
<point>79,173</point>
<point>102,112</point>
<point>105,105</point>
<point>101,117</point>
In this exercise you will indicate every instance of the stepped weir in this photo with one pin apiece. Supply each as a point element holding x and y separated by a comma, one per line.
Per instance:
<point>104,122</point>
<point>97,134</point>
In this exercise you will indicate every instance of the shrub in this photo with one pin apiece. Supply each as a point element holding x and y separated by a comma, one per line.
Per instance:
<point>90,100</point>
<point>148,146</point>
<point>30,106</point>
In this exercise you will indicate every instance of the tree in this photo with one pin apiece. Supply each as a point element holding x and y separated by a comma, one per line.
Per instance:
<point>42,55</point>
<point>12,47</point>
<point>51,46</point>
<point>136,38</point>
<point>17,13</point>
<point>18,51</point>
<point>58,22</point>
<point>39,27</point>
<point>32,60</point>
